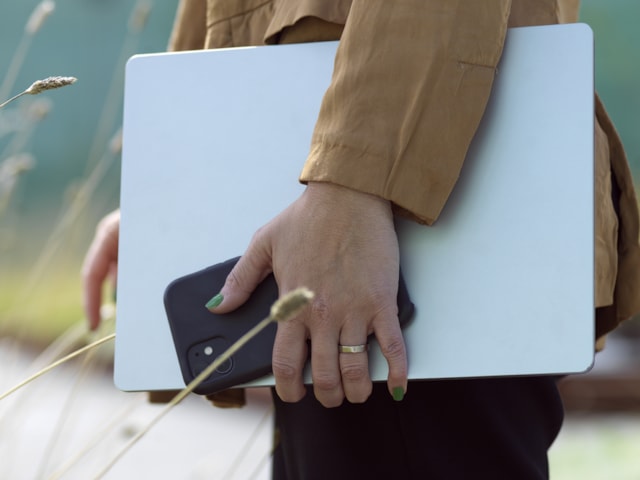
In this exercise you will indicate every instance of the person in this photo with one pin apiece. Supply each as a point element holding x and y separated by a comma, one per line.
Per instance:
<point>410,84</point>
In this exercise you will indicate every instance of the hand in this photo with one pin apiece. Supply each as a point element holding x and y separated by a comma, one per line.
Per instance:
<point>342,245</point>
<point>99,264</point>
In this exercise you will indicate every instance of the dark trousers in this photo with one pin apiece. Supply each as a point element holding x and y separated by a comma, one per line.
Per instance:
<point>499,428</point>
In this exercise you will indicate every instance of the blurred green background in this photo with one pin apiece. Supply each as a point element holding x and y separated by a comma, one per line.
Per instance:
<point>46,227</point>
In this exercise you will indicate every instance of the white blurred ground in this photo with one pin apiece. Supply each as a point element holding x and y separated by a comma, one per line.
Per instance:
<point>602,447</point>
<point>196,441</point>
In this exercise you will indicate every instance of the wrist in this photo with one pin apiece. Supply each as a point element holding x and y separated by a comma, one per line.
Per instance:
<point>345,196</point>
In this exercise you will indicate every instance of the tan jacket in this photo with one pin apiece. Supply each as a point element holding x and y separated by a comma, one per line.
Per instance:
<point>398,127</point>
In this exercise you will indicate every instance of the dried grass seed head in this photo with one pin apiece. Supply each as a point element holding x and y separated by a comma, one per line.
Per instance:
<point>49,83</point>
<point>290,304</point>
<point>39,15</point>
<point>17,164</point>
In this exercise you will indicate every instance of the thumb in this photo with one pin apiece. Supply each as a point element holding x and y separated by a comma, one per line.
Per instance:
<point>246,275</point>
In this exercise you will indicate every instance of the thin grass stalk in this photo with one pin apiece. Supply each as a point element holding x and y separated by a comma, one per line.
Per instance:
<point>62,344</point>
<point>95,440</point>
<point>19,405</point>
<point>65,413</point>
<point>10,171</point>
<point>33,25</point>
<point>185,392</point>
<point>282,310</point>
<point>57,348</point>
<point>69,216</point>
<point>87,363</point>
<point>139,16</point>
<point>233,468</point>
<point>22,405</point>
<point>57,364</point>
<point>260,465</point>
<point>15,97</point>
<point>112,103</point>
<point>18,141</point>
<point>107,119</point>
<point>17,60</point>
<point>34,113</point>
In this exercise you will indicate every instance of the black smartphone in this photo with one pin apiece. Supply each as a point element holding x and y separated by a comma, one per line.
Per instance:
<point>200,336</point>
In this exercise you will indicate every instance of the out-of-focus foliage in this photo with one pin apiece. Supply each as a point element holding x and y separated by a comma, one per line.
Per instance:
<point>617,42</point>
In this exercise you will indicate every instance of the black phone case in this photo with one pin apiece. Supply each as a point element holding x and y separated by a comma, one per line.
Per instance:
<point>200,336</point>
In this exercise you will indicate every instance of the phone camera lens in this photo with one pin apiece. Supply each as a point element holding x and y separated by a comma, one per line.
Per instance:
<point>225,367</point>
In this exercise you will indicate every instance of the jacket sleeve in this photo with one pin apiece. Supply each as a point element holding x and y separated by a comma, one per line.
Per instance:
<point>189,27</point>
<point>410,84</point>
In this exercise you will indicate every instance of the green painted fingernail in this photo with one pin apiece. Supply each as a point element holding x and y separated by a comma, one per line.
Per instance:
<point>215,301</point>
<point>398,394</point>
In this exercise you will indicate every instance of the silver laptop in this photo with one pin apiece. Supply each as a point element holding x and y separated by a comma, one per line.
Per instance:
<point>503,283</point>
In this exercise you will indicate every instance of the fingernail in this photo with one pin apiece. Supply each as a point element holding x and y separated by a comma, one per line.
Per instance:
<point>398,394</point>
<point>215,301</point>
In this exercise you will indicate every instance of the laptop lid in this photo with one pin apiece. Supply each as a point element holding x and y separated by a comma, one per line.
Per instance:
<point>214,142</point>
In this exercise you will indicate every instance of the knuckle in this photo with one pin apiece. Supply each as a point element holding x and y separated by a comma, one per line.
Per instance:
<point>236,281</point>
<point>326,383</point>
<point>393,348</point>
<point>320,309</point>
<point>381,297</point>
<point>260,241</point>
<point>259,235</point>
<point>233,279</point>
<point>386,309</point>
<point>285,371</point>
<point>353,373</point>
